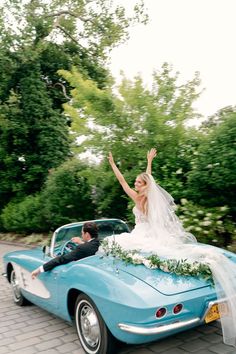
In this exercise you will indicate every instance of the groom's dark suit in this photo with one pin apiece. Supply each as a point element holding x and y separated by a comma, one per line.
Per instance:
<point>82,250</point>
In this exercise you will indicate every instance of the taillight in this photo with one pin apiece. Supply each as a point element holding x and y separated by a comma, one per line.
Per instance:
<point>177,308</point>
<point>161,312</point>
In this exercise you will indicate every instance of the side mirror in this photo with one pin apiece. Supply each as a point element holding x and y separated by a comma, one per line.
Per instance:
<point>46,250</point>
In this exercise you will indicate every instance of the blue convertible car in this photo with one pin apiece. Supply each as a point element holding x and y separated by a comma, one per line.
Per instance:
<point>106,298</point>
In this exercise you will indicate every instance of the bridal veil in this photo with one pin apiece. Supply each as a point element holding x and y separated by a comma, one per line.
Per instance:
<point>171,239</point>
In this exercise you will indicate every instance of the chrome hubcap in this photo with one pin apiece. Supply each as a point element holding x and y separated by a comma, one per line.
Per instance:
<point>15,286</point>
<point>89,325</point>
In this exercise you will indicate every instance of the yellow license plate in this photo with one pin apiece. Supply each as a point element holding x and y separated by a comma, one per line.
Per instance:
<point>216,311</point>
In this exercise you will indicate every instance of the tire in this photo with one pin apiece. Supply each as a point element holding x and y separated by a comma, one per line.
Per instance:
<point>94,336</point>
<point>18,298</point>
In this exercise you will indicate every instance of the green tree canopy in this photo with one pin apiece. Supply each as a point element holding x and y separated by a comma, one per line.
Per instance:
<point>212,180</point>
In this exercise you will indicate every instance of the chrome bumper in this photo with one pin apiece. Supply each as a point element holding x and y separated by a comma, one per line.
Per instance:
<point>158,329</point>
<point>168,327</point>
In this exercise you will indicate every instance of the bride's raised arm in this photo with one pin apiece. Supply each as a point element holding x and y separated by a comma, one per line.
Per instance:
<point>150,156</point>
<point>129,191</point>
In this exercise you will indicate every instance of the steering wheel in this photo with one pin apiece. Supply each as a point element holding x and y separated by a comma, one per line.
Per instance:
<point>68,247</point>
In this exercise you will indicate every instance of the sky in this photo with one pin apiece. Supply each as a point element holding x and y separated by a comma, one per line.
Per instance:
<point>191,35</point>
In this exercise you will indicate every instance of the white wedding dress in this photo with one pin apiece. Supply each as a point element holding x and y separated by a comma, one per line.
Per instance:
<point>161,233</point>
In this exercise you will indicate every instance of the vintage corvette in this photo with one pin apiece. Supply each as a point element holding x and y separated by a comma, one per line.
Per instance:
<point>107,299</point>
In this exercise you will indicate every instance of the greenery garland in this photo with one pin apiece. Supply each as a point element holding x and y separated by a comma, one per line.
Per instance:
<point>153,261</point>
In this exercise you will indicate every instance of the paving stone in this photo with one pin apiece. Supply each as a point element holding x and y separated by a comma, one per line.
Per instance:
<point>4,330</point>
<point>11,332</point>
<point>49,351</point>
<point>10,317</point>
<point>29,334</point>
<point>6,323</point>
<point>213,338</point>
<point>24,344</point>
<point>30,350</point>
<point>60,325</point>
<point>162,345</point>
<point>35,327</point>
<point>174,351</point>
<point>50,344</point>
<point>206,329</point>
<point>67,347</point>
<point>222,348</point>
<point>7,341</point>
<point>204,351</point>
<point>194,345</point>
<point>52,335</point>
<point>189,335</point>
<point>79,351</point>
<point>70,337</point>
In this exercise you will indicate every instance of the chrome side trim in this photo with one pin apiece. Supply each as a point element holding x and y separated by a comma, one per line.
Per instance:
<point>157,329</point>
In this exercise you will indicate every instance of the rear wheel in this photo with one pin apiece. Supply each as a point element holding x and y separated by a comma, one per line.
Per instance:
<point>19,299</point>
<point>93,333</point>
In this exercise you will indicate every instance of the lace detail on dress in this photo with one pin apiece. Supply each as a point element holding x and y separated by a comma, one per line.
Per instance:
<point>139,216</point>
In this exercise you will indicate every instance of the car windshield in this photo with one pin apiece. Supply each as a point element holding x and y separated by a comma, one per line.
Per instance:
<point>105,228</point>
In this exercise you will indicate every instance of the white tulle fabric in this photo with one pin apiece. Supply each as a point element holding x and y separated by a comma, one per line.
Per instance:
<point>162,233</point>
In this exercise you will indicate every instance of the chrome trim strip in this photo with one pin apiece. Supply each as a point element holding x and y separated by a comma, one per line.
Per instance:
<point>157,329</point>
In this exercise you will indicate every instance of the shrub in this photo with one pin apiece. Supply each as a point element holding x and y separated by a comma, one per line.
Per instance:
<point>23,216</point>
<point>208,225</point>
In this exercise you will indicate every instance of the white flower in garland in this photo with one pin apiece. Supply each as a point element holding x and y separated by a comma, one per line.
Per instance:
<point>148,264</point>
<point>137,258</point>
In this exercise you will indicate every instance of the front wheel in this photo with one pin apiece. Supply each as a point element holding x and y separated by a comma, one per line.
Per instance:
<point>93,333</point>
<point>19,299</point>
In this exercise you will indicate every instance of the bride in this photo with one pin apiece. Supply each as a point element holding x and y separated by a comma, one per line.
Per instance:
<point>158,230</point>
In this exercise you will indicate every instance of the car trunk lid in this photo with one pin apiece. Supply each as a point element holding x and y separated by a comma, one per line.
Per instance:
<point>165,283</point>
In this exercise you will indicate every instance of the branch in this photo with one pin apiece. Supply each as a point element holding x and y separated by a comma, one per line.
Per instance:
<point>63,12</point>
<point>67,12</point>
<point>63,89</point>
<point>67,33</point>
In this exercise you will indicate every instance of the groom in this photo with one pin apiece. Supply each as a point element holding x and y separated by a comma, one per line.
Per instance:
<point>88,246</point>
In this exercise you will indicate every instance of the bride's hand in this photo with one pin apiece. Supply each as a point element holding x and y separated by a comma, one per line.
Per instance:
<point>151,154</point>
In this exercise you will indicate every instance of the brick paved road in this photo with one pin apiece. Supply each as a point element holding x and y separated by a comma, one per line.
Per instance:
<point>29,330</point>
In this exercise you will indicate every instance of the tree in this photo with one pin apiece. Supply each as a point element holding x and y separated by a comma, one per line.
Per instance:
<point>67,194</point>
<point>36,39</point>
<point>212,179</point>
<point>33,137</point>
<point>130,123</point>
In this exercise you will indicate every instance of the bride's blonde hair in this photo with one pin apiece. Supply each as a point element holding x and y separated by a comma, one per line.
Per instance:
<point>143,193</point>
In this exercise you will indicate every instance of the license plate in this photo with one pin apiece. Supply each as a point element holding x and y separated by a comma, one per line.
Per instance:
<point>216,311</point>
